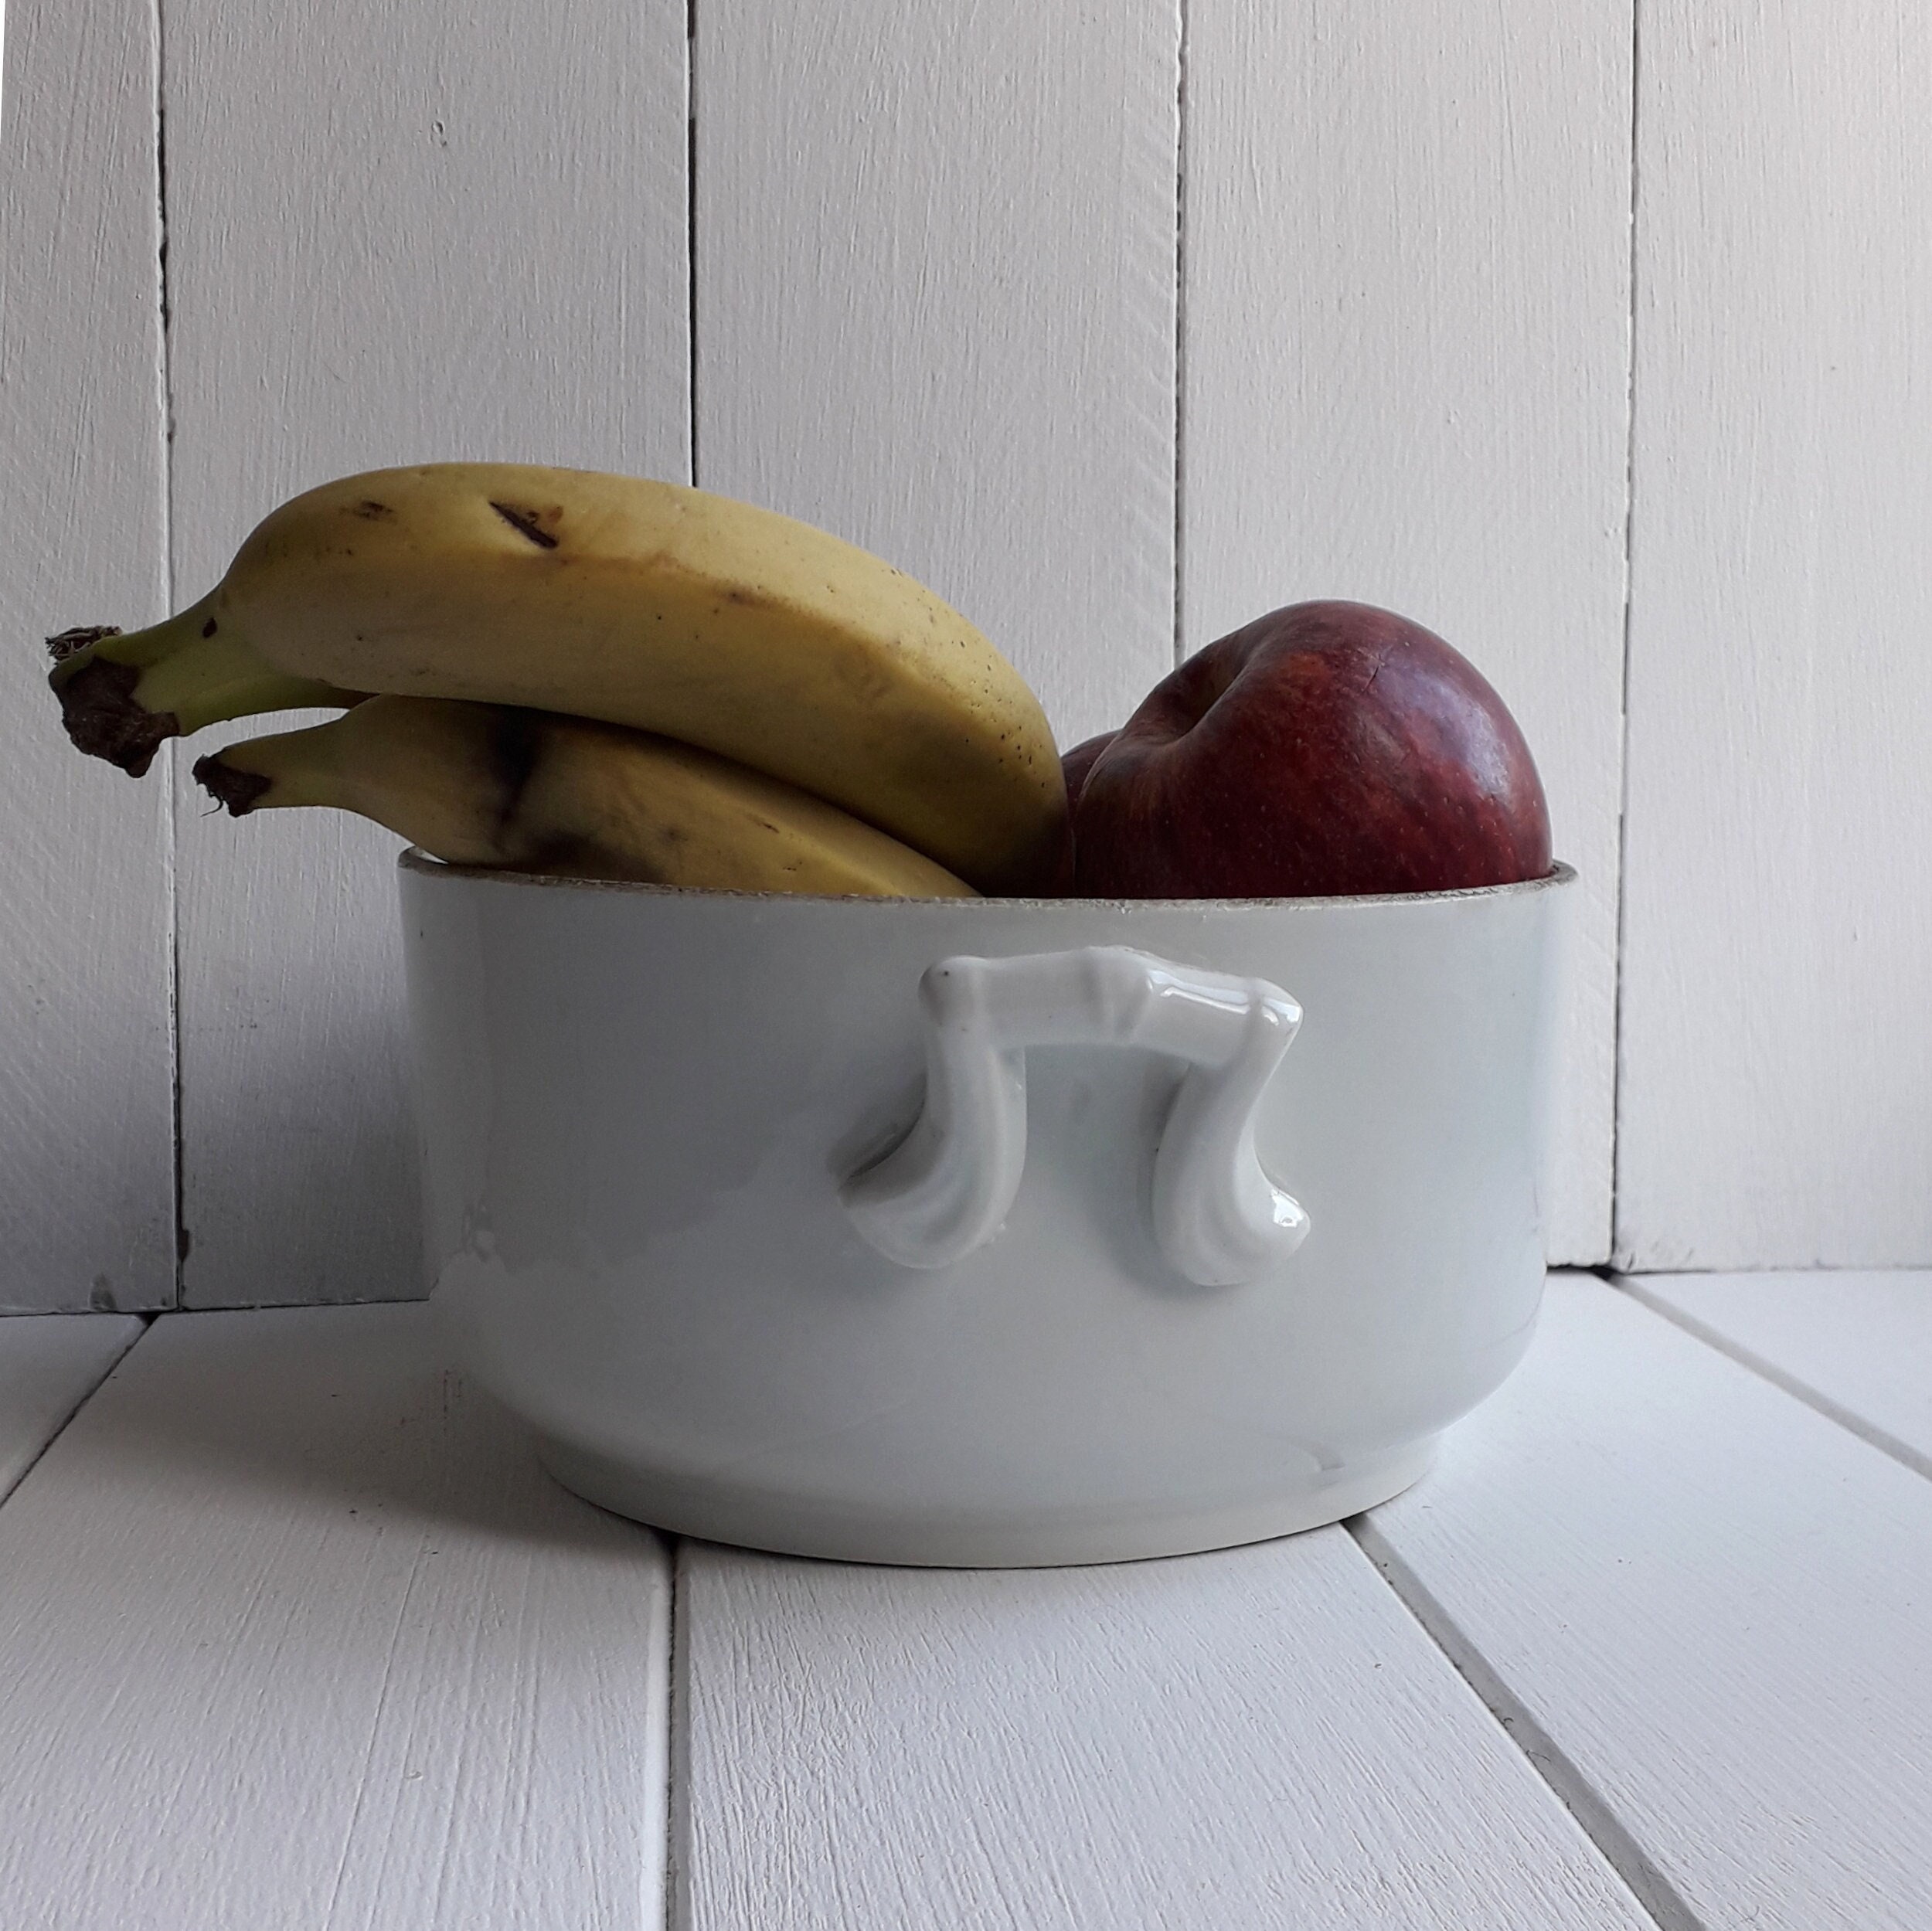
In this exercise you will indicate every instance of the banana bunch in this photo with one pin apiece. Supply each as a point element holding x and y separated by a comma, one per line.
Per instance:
<point>559,670</point>
<point>495,785</point>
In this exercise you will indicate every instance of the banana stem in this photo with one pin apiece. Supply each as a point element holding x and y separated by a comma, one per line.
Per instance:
<point>241,791</point>
<point>124,693</point>
<point>288,768</point>
<point>74,650</point>
<point>215,678</point>
<point>426,770</point>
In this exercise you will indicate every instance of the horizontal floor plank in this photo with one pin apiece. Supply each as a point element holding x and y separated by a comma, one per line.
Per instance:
<point>1260,1736</point>
<point>298,1633</point>
<point>50,1364</point>
<point>1710,1599</point>
<point>1857,1345</point>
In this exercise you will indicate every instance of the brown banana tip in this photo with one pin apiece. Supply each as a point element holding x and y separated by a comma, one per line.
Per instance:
<point>240,790</point>
<point>70,642</point>
<point>105,719</point>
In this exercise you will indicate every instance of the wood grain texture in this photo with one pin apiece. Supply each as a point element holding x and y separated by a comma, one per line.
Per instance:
<point>86,1048</point>
<point>1711,1599</point>
<point>1776,1061</point>
<point>49,1365</point>
<point>432,232</point>
<point>1258,1737</point>
<point>1857,1345</point>
<point>1404,375</point>
<point>935,301</point>
<point>298,1633</point>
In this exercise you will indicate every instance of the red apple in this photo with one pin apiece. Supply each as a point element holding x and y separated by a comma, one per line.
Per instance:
<point>1074,766</point>
<point>1324,750</point>
<point>1076,763</point>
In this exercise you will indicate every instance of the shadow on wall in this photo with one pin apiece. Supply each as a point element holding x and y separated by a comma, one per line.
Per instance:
<point>300,1185</point>
<point>86,1189</point>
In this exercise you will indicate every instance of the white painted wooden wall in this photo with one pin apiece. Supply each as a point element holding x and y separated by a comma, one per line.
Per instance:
<point>1593,336</point>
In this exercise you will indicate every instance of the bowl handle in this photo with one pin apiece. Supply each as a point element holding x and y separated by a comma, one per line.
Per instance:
<point>946,1187</point>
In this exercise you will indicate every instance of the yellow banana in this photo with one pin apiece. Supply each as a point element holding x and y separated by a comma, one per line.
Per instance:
<point>647,604</point>
<point>492,785</point>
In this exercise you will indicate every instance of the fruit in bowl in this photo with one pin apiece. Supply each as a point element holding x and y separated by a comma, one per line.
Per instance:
<point>557,671</point>
<point>1324,750</point>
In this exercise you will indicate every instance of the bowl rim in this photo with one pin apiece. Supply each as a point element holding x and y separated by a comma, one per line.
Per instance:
<point>413,859</point>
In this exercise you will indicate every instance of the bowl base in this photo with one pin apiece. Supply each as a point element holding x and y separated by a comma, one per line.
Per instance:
<point>796,1525</point>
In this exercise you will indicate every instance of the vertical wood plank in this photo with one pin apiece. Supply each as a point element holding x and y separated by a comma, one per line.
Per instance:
<point>87,1053</point>
<point>935,296</point>
<point>296,1632</point>
<point>1777,1059</point>
<point>1404,371</point>
<point>395,235</point>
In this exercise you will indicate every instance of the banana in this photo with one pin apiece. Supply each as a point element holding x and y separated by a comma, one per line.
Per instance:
<point>124,694</point>
<point>647,604</point>
<point>491,785</point>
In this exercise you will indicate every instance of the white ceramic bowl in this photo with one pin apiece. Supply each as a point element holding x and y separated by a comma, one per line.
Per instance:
<point>981,1231</point>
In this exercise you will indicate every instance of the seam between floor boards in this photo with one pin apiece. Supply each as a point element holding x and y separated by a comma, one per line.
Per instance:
<point>66,1421</point>
<point>1651,1891</point>
<point>1813,1398</point>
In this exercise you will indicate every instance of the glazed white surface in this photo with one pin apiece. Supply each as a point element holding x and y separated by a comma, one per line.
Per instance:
<point>1653,1629</point>
<point>947,1188</point>
<point>642,1110</point>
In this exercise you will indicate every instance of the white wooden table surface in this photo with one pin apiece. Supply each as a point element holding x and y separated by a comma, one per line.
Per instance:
<point>294,1632</point>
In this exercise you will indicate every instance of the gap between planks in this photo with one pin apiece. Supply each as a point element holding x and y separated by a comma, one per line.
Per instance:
<point>1552,1765</point>
<point>677,1756</point>
<point>1565,1780</point>
<point>44,1430</point>
<point>1653,1891</point>
<point>1623,733</point>
<point>1647,1884</point>
<point>1781,1378</point>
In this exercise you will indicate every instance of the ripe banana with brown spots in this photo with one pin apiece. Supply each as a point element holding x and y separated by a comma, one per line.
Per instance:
<point>489,784</point>
<point>642,604</point>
